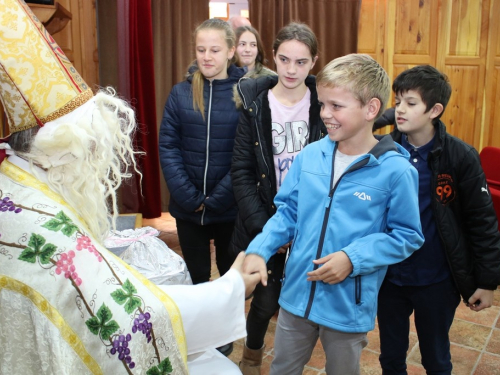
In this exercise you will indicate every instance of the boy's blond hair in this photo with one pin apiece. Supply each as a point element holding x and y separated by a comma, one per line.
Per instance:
<point>361,75</point>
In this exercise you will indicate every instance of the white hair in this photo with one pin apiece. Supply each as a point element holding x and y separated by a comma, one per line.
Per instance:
<point>87,158</point>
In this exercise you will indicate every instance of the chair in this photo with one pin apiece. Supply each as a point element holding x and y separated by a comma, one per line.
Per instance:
<point>490,160</point>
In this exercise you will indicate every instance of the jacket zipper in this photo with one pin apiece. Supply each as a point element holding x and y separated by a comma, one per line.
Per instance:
<point>357,296</point>
<point>207,151</point>
<point>357,289</point>
<point>260,145</point>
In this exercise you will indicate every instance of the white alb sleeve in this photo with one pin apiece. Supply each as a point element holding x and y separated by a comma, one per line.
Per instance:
<point>213,313</point>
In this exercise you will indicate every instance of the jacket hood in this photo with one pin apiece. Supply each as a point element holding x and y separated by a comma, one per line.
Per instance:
<point>250,89</point>
<point>254,74</point>
<point>381,149</point>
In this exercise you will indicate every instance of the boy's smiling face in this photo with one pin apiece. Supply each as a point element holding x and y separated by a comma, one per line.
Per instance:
<point>342,113</point>
<point>412,116</point>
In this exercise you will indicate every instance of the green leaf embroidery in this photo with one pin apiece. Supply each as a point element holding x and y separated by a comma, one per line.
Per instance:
<point>47,251</point>
<point>53,225</point>
<point>94,325</point>
<point>164,368</point>
<point>36,241</point>
<point>61,222</point>
<point>69,229</point>
<point>38,248</point>
<point>62,217</point>
<point>119,296</point>
<point>101,324</point>
<point>132,304</point>
<point>129,287</point>
<point>153,371</point>
<point>126,297</point>
<point>28,255</point>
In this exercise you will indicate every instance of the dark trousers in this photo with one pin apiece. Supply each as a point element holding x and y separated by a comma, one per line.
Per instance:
<point>264,304</point>
<point>195,245</point>
<point>434,307</point>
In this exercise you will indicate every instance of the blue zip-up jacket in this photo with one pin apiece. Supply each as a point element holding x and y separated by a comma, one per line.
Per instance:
<point>371,214</point>
<point>195,154</point>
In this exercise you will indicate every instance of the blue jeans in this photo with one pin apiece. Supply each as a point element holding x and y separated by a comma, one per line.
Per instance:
<point>434,307</point>
<point>195,239</point>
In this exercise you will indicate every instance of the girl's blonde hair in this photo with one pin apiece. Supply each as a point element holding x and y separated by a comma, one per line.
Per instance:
<point>198,79</point>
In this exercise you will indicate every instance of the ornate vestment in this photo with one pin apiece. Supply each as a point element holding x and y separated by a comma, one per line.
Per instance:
<point>67,305</point>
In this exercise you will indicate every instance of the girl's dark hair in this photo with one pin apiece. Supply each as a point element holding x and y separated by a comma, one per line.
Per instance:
<point>261,56</point>
<point>300,32</point>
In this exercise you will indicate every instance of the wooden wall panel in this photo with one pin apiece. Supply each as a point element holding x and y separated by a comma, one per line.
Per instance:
<point>460,116</point>
<point>459,37</point>
<point>78,39</point>
<point>413,25</point>
<point>465,28</point>
<point>368,27</point>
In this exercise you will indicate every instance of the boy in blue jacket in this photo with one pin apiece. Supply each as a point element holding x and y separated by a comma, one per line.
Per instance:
<point>350,204</point>
<point>461,253</point>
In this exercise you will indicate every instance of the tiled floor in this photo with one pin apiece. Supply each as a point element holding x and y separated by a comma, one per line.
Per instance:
<point>475,337</point>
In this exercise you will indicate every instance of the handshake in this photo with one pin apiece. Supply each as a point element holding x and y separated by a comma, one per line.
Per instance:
<point>252,269</point>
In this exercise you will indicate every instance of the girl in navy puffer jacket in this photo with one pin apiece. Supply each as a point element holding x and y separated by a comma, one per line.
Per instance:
<point>196,143</point>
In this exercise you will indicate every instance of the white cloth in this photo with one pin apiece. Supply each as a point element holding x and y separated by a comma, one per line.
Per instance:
<point>213,314</point>
<point>210,316</point>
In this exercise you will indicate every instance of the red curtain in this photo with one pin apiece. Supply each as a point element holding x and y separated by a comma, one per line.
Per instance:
<point>141,93</point>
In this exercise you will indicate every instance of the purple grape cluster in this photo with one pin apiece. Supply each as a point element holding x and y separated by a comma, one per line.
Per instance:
<point>142,324</point>
<point>120,346</point>
<point>7,205</point>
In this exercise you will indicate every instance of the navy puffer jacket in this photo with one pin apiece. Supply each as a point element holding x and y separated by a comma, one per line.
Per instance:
<point>195,153</point>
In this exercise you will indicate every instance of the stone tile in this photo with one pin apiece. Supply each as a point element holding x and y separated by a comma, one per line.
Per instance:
<point>373,340</point>
<point>235,356</point>
<point>310,371</point>
<point>266,365</point>
<point>415,369</point>
<point>462,358</point>
<point>469,334</point>
<point>496,298</point>
<point>269,339</point>
<point>485,317</point>
<point>369,363</point>
<point>318,359</point>
<point>488,365</point>
<point>494,343</point>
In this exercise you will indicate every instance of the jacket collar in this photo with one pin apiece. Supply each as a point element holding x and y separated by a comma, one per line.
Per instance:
<point>385,144</point>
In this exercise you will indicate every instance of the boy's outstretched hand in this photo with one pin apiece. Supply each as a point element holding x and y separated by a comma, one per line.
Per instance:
<point>256,265</point>
<point>250,280</point>
<point>481,299</point>
<point>335,268</point>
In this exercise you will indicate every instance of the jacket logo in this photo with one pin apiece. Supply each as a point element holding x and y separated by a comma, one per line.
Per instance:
<point>362,196</point>
<point>485,190</point>
<point>445,190</point>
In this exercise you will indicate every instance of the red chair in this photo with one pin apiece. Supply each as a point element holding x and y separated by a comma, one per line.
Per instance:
<point>490,160</point>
